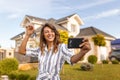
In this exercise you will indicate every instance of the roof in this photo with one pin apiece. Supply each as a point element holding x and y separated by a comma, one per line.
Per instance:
<point>90,31</point>
<point>51,20</point>
<point>35,18</point>
<point>64,18</point>
<point>17,36</point>
<point>114,42</point>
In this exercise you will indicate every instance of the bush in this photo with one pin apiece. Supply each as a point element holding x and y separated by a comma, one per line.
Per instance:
<point>115,62</point>
<point>33,77</point>
<point>13,75</point>
<point>7,65</point>
<point>105,61</point>
<point>92,59</point>
<point>86,66</point>
<point>22,76</point>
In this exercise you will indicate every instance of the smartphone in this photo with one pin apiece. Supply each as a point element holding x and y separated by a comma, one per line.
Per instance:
<point>74,42</point>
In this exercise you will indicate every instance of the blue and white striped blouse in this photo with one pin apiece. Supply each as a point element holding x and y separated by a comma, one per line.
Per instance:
<point>50,63</point>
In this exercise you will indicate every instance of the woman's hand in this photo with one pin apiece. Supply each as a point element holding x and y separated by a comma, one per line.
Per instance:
<point>85,46</point>
<point>29,30</point>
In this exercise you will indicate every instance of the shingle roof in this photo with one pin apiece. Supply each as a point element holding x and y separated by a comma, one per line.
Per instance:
<point>90,31</point>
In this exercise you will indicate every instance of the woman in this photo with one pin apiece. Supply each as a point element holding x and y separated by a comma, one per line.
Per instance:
<point>51,53</point>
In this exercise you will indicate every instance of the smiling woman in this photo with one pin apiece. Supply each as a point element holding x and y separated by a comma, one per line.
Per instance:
<point>51,52</point>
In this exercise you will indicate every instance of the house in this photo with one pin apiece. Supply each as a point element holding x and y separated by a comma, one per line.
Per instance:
<point>102,53</point>
<point>115,44</point>
<point>70,23</point>
<point>6,53</point>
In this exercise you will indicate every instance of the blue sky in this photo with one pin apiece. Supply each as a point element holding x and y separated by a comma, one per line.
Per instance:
<point>102,14</point>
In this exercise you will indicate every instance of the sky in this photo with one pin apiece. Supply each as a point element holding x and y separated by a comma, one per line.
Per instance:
<point>101,14</point>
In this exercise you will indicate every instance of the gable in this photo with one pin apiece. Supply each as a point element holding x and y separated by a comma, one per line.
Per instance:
<point>33,20</point>
<point>66,19</point>
<point>78,19</point>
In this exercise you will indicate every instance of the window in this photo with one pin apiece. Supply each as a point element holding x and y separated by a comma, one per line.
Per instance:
<point>9,53</point>
<point>73,28</point>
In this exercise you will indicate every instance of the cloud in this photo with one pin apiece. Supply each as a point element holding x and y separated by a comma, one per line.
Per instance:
<point>66,7</point>
<point>93,4</point>
<point>104,14</point>
<point>108,13</point>
<point>15,8</point>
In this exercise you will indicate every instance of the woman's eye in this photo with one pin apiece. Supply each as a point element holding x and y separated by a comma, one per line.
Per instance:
<point>52,31</point>
<point>45,31</point>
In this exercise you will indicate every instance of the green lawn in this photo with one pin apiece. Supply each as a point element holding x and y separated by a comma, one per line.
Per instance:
<point>100,72</point>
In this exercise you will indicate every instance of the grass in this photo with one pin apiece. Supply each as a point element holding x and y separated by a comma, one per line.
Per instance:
<point>100,72</point>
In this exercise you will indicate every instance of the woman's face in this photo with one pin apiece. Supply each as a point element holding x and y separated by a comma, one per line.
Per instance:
<point>49,34</point>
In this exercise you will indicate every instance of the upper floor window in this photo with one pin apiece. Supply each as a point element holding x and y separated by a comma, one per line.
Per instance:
<point>10,53</point>
<point>73,27</point>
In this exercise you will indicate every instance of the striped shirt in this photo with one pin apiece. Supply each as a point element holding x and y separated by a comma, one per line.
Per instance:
<point>50,63</point>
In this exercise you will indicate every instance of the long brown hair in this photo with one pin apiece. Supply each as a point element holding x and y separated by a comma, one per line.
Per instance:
<point>43,42</point>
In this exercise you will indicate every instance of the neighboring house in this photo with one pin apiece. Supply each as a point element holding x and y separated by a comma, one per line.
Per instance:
<point>6,53</point>
<point>115,44</point>
<point>70,23</point>
<point>102,53</point>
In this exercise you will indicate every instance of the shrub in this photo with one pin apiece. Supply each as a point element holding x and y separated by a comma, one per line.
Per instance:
<point>115,62</point>
<point>86,66</point>
<point>22,76</point>
<point>33,77</point>
<point>13,75</point>
<point>105,61</point>
<point>92,59</point>
<point>7,65</point>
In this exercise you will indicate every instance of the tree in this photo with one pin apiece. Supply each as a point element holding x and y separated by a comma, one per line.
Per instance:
<point>99,40</point>
<point>64,38</point>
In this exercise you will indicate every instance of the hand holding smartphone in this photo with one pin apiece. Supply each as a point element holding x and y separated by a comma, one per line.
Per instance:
<point>74,42</point>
